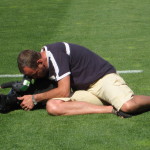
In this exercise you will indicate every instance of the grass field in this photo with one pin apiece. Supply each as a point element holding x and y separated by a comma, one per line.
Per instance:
<point>117,30</point>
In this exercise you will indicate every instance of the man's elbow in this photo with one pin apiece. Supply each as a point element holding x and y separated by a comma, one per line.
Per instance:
<point>64,93</point>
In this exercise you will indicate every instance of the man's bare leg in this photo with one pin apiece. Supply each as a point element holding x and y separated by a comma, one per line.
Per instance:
<point>59,107</point>
<point>137,104</point>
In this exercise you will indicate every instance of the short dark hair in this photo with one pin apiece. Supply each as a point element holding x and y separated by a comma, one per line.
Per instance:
<point>28,58</point>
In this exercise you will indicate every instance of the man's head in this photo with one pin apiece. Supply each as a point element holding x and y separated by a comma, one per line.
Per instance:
<point>31,63</point>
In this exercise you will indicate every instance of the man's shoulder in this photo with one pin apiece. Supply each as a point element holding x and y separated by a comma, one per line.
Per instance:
<point>55,46</point>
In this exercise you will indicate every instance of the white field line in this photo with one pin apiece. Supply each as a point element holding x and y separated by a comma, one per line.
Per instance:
<point>10,75</point>
<point>130,71</point>
<point>20,75</point>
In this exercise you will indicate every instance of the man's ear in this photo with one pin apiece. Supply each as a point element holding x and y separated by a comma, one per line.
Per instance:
<point>39,61</point>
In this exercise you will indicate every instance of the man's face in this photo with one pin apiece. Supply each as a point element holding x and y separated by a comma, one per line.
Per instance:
<point>39,72</point>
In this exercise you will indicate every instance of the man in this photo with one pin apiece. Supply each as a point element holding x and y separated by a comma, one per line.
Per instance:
<point>93,80</point>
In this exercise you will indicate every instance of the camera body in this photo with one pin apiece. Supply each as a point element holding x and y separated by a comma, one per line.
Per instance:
<point>27,86</point>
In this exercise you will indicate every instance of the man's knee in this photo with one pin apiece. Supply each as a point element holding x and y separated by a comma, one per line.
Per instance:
<point>129,106</point>
<point>53,107</point>
<point>125,108</point>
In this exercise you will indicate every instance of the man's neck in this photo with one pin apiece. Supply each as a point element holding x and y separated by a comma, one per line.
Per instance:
<point>44,58</point>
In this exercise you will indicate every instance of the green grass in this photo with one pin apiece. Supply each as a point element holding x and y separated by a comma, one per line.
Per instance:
<point>117,30</point>
<point>37,130</point>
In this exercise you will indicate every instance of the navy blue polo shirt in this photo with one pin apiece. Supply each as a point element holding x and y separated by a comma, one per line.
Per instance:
<point>83,66</point>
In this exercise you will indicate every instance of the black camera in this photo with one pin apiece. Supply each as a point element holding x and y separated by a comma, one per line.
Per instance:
<point>19,88</point>
<point>9,101</point>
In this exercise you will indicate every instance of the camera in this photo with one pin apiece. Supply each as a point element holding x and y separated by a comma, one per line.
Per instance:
<point>25,87</point>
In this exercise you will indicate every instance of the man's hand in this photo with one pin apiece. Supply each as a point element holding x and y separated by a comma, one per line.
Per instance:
<point>27,103</point>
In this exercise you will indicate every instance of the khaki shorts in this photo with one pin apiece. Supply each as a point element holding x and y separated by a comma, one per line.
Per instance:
<point>109,90</point>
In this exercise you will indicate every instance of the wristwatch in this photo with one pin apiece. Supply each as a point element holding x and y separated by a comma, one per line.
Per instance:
<point>33,100</point>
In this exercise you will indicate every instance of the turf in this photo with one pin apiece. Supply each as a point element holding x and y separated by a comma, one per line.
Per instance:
<point>117,30</point>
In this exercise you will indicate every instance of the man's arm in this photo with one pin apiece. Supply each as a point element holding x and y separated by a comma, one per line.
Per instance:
<point>63,90</point>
